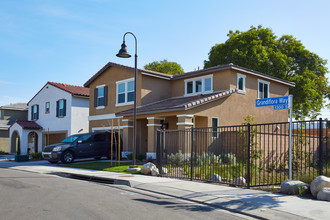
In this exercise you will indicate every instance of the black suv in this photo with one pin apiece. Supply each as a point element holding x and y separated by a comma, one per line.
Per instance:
<point>95,145</point>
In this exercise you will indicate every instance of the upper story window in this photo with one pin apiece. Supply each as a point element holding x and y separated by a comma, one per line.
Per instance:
<point>241,83</point>
<point>100,96</point>
<point>199,85</point>
<point>47,107</point>
<point>263,89</point>
<point>125,92</point>
<point>61,108</point>
<point>34,112</point>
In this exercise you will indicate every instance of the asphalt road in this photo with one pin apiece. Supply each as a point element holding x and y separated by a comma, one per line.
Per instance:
<point>27,195</point>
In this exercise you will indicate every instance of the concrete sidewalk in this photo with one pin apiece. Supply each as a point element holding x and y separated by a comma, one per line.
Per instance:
<point>252,203</point>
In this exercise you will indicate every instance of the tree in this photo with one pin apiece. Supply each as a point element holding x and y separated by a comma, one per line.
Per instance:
<point>171,68</point>
<point>261,50</point>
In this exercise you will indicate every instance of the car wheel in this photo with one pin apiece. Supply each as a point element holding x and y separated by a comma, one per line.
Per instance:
<point>52,161</point>
<point>67,157</point>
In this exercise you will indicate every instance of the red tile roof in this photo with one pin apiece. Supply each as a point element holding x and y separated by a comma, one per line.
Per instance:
<point>28,125</point>
<point>178,103</point>
<point>74,90</point>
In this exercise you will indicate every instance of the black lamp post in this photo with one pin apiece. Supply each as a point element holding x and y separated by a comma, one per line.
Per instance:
<point>123,53</point>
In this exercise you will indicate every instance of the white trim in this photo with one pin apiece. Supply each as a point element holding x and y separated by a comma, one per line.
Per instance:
<point>109,128</point>
<point>125,103</point>
<point>185,115</point>
<point>157,76</point>
<point>155,118</point>
<point>243,91</point>
<point>102,117</point>
<point>154,125</point>
<point>193,80</point>
<point>185,123</point>
<point>100,86</point>
<point>124,120</point>
<point>100,107</point>
<point>264,82</point>
<point>125,80</point>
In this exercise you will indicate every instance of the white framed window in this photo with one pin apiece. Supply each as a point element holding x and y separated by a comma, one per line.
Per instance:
<point>263,89</point>
<point>215,129</point>
<point>61,108</point>
<point>47,107</point>
<point>100,96</point>
<point>199,85</point>
<point>125,92</point>
<point>241,83</point>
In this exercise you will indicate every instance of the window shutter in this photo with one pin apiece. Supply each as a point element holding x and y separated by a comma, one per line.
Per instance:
<point>64,107</point>
<point>32,112</point>
<point>105,95</point>
<point>37,112</point>
<point>57,108</point>
<point>95,97</point>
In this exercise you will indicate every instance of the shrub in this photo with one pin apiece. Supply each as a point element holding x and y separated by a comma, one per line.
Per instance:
<point>36,156</point>
<point>3,153</point>
<point>176,159</point>
<point>137,156</point>
<point>228,158</point>
<point>129,156</point>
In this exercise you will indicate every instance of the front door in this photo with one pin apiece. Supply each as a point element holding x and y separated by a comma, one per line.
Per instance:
<point>85,146</point>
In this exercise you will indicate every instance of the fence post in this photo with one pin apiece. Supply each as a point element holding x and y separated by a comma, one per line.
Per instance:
<point>158,153</point>
<point>248,157</point>
<point>320,146</point>
<point>191,153</point>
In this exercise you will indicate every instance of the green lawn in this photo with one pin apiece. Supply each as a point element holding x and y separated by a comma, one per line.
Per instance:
<point>104,166</point>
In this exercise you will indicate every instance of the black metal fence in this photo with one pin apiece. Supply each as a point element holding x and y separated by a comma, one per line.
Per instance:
<point>249,155</point>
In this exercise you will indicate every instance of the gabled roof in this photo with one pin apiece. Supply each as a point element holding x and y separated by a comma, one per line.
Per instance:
<point>235,67</point>
<point>189,74</point>
<point>32,125</point>
<point>73,90</point>
<point>178,103</point>
<point>16,106</point>
<point>142,71</point>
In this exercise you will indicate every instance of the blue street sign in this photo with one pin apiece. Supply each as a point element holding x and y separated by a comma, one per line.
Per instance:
<point>281,106</point>
<point>283,100</point>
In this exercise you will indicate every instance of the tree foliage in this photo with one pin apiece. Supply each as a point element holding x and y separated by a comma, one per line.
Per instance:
<point>286,57</point>
<point>164,66</point>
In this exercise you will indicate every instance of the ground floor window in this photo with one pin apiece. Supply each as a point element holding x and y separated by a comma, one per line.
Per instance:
<point>215,124</point>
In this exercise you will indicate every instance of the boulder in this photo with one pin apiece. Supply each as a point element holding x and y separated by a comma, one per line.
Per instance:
<point>324,194</point>
<point>155,171</point>
<point>319,183</point>
<point>239,181</point>
<point>147,168</point>
<point>215,178</point>
<point>291,187</point>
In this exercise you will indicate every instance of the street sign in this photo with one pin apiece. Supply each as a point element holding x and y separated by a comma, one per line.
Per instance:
<point>281,106</point>
<point>283,100</point>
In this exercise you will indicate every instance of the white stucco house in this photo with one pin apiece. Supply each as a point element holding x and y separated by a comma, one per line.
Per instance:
<point>58,110</point>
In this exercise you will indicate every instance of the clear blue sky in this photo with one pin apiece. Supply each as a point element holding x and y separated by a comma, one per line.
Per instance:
<point>69,40</point>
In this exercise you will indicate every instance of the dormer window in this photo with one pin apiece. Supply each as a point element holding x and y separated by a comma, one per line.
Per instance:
<point>199,85</point>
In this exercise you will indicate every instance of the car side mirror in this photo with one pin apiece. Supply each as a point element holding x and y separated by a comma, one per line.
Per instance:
<point>79,142</point>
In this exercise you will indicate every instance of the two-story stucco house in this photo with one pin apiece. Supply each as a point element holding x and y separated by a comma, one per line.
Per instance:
<point>217,96</point>
<point>55,112</point>
<point>8,115</point>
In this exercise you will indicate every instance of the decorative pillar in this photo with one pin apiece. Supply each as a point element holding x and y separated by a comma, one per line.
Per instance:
<point>154,123</point>
<point>127,125</point>
<point>184,121</point>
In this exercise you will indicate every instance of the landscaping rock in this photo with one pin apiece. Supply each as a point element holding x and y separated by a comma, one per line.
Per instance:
<point>215,178</point>
<point>319,183</point>
<point>291,187</point>
<point>240,181</point>
<point>155,171</point>
<point>164,170</point>
<point>147,168</point>
<point>324,194</point>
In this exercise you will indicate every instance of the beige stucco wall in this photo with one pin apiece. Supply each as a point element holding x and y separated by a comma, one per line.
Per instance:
<point>4,140</point>
<point>154,89</point>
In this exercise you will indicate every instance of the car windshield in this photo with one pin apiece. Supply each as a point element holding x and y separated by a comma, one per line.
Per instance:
<point>70,139</point>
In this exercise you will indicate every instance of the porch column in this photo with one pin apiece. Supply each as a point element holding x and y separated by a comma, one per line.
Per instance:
<point>127,125</point>
<point>184,121</point>
<point>154,123</point>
